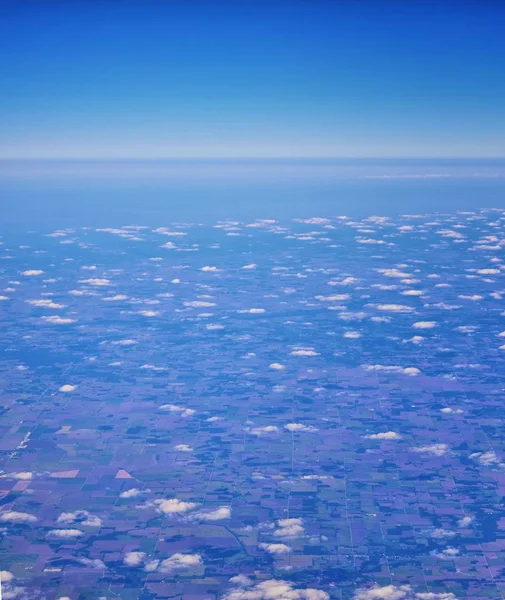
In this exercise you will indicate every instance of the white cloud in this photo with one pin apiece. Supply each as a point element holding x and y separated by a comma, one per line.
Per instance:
<point>275,548</point>
<point>486,458</point>
<point>250,266</point>
<point>32,272</point>
<point>424,325</point>
<point>65,533</point>
<point>304,352</point>
<point>179,562</point>
<point>352,335</point>
<point>289,528</point>
<point>393,273</point>
<point>97,282</point>
<point>241,580</point>
<point>387,592</point>
<point>213,326</point>
<point>334,298</point>
<point>402,592</point>
<point>7,576</point>
<point>277,366</point>
<point>254,311</point>
<point>267,429</point>
<point>134,559</point>
<point>208,269</point>
<point>184,412</point>
<point>386,435</point>
<point>23,475</point>
<point>12,516</point>
<point>447,411</point>
<point>273,589</point>
<point>448,553</point>
<point>115,298</point>
<point>442,534</point>
<point>199,304</point>
<point>183,448</point>
<point>67,388</point>
<point>43,303</point>
<point>125,342</point>
<point>94,563</point>
<point>465,521</point>
<point>411,371</point>
<point>58,320</point>
<point>412,293</point>
<point>224,512</point>
<point>400,308</point>
<point>131,493</point>
<point>488,271</point>
<point>433,449</point>
<point>149,313</point>
<point>83,517</point>
<point>299,427</point>
<point>173,506</point>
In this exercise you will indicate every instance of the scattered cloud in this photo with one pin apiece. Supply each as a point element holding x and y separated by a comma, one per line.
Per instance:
<point>271,589</point>
<point>67,388</point>
<point>13,516</point>
<point>300,427</point>
<point>433,449</point>
<point>65,533</point>
<point>276,548</point>
<point>386,435</point>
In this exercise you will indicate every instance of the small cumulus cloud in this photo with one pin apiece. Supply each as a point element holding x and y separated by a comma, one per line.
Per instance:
<point>183,448</point>
<point>134,559</point>
<point>58,320</point>
<point>487,458</point>
<point>271,589</point>
<point>65,533</point>
<point>13,516</point>
<point>465,521</point>
<point>199,304</point>
<point>289,528</point>
<point>268,429</point>
<point>97,282</point>
<point>424,325</point>
<point>220,514</point>
<point>432,449</point>
<point>83,517</point>
<point>44,303</point>
<point>276,548</point>
<point>131,493</point>
<point>300,427</point>
<point>402,592</point>
<point>173,408</point>
<point>304,352</point>
<point>173,506</point>
<point>399,308</point>
<point>277,366</point>
<point>67,388</point>
<point>386,435</point>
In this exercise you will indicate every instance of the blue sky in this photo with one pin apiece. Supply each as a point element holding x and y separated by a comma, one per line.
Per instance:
<point>274,78</point>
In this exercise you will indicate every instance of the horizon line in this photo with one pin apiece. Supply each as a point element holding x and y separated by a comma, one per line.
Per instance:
<point>246,158</point>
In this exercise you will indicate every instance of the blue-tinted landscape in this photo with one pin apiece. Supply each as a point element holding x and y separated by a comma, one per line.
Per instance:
<point>296,407</point>
<point>252,300</point>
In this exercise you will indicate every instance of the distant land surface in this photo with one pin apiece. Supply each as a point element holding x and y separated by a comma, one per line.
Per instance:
<point>246,383</point>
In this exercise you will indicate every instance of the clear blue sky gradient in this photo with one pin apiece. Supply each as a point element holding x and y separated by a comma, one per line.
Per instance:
<point>276,78</point>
